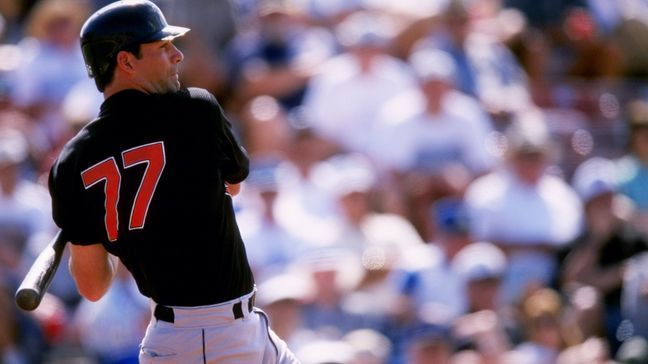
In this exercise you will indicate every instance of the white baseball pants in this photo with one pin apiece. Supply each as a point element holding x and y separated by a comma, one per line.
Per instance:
<point>233,332</point>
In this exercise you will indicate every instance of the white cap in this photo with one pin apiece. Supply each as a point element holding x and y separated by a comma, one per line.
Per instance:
<point>529,132</point>
<point>346,173</point>
<point>326,351</point>
<point>480,260</point>
<point>363,29</point>
<point>283,287</point>
<point>594,177</point>
<point>433,64</point>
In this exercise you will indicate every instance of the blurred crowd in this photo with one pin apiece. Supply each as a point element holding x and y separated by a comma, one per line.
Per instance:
<point>440,181</point>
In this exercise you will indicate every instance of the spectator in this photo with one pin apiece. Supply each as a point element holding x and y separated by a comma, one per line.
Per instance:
<point>52,63</point>
<point>634,299</point>
<point>525,210</point>
<point>488,326</point>
<point>633,351</point>
<point>369,346</point>
<point>326,352</point>
<point>429,343</point>
<point>351,181</point>
<point>334,273</point>
<point>486,68</point>
<point>277,55</point>
<point>270,247</point>
<point>592,350</point>
<point>428,276</point>
<point>21,336</point>
<point>265,127</point>
<point>282,297</point>
<point>633,166</point>
<point>542,322</point>
<point>435,148</point>
<point>364,73</point>
<point>111,329</point>
<point>599,256</point>
<point>303,205</point>
<point>24,206</point>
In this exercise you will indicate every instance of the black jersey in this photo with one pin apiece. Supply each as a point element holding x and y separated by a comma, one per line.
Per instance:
<point>147,180</point>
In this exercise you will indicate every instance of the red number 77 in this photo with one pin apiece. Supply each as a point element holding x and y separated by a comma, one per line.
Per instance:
<point>107,171</point>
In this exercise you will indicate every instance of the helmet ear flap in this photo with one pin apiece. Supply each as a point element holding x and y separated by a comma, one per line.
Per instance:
<point>99,55</point>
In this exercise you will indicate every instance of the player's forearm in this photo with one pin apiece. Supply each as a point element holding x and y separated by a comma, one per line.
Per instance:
<point>92,269</point>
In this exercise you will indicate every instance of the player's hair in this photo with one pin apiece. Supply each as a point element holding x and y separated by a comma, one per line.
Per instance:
<point>104,79</point>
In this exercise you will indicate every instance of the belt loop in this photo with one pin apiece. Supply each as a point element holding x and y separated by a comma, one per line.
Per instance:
<point>164,313</point>
<point>251,302</point>
<point>237,310</point>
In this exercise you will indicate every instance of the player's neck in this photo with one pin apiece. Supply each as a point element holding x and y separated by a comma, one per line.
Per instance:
<point>119,84</point>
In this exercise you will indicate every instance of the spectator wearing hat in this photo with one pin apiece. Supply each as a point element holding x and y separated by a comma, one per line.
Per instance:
<point>486,68</point>
<point>329,312</point>
<point>342,98</point>
<point>542,319</point>
<point>598,257</point>
<point>428,343</point>
<point>524,209</point>
<point>425,273</point>
<point>633,167</point>
<point>425,279</point>
<point>432,141</point>
<point>488,326</point>
<point>270,247</point>
<point>282,296</point>
<point>374,239</point>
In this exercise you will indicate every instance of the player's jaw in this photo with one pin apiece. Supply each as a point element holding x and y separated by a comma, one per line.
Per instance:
<point>159,67</point>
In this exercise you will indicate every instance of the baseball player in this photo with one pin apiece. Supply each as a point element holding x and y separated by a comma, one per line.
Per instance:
<point>150,181</point>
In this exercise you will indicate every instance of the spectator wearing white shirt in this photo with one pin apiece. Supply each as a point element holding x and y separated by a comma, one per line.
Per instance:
<point>269,246</point>
<point>426,274</point>
<point>527,211</point>
<point>437,144</point>
<point>342,99</point>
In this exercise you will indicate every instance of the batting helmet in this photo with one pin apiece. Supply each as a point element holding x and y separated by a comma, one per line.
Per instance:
<point>121,25</point>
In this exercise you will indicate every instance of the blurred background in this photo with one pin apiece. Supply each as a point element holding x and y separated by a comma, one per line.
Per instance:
<point>440,181</point>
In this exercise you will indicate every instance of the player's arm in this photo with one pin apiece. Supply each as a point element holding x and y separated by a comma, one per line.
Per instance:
<point>92,269</point>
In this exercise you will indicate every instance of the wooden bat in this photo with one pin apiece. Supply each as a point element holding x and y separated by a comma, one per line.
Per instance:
<point>33,287</point>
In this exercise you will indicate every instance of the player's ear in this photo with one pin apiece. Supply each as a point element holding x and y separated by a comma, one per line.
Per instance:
<point>124,61</point>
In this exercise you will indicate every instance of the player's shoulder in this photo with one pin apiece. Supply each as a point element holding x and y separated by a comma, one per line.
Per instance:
<point>191,95</point>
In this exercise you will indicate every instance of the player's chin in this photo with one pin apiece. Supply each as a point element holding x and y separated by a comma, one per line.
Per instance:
<point>172,86</point>
<point>174,83</point>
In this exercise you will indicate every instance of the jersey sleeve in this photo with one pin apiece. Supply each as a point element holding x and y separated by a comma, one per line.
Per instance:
<point>236,162</point>
<point>69,210</point>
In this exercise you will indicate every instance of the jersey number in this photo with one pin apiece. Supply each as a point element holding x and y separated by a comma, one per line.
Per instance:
<point>107,171</point>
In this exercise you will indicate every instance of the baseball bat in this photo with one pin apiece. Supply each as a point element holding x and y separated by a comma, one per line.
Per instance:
<point>35,284</point>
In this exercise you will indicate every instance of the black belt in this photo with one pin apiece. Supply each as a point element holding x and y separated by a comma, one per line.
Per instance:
<point>165,313</point>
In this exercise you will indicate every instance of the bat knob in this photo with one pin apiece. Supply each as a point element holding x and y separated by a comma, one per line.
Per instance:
<point>27,299</point>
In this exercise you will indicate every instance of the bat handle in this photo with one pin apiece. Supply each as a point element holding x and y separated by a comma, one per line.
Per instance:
<point>33,287</point>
